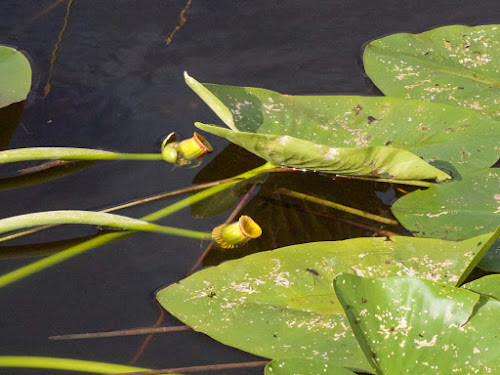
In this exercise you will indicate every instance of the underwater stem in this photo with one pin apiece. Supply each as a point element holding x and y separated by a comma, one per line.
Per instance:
<point>338,206</point>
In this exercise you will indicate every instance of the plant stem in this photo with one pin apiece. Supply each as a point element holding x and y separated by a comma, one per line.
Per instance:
<point>388,180</point>
<point>92,218</point>
<point>120,333</point>
<point>51,260</point>
<point>338,206</point>
<point>66,364</point>
<point>69,153</point>
<point>126,205</point>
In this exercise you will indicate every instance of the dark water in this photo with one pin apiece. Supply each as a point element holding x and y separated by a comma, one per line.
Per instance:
<point>117,86</point>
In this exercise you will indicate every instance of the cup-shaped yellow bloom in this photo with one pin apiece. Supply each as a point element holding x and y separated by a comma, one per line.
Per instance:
<point>195,147</point>
<point>236,234</point>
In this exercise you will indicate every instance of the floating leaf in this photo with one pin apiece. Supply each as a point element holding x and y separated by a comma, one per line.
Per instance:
<point>453,211</point>
<point>302,366</point>
<point>281,303</point>
<point>378,161</point>
<point>437,133</point>
<point>491,261</point>
<point>486,285</point>
<point>15,76</point>
<point>412,326</point>
<point>456,65</point>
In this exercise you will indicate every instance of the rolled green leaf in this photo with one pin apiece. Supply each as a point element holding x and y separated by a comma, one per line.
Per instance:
<point>379,161</point>
<point>440,134</point>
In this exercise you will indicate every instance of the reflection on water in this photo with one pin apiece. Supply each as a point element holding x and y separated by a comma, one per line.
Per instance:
<point>116,85</point>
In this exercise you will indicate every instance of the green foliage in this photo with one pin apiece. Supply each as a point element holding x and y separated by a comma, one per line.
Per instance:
<point>454,211</point>
<point>15,76</point>
<point>269,302</point>
<point>281,304</point>
<point>350,123</point>
<point>368,161</point>
<point>456,65</point>
<point>486,285</point>
<point>412,326</point>
<point>302,366</point>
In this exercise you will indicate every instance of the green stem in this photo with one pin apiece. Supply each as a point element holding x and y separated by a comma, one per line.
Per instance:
<point>91,218</point>
<point>69,153</point>
<point>104,239</point>
<point>66,364</point>
<point>388,180</point>
<point>338,206</point>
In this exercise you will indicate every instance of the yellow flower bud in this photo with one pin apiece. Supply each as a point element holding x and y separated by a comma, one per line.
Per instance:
<point>195,147</point>
<point>236,234</point>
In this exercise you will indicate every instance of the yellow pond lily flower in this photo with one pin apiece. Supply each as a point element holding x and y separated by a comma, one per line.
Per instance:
<point>185,152</point>
<point>229,236</point>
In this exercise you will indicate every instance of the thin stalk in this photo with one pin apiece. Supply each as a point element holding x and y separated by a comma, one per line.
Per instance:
<point>49,261</point>
<point>92,218</point>
<point>120,332</point>
<point>338,206</point>
<point>388,180</point>
<point>217,367</point>
<point>69,153</point>
<point>66,364</point>
<point>127,205</point>
<point>205,194</point>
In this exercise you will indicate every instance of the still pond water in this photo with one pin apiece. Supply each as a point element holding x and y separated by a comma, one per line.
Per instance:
<point>116,85</point>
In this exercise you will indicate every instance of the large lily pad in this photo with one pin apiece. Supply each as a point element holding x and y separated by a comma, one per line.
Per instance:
<point>412,326</point>
<point>436,133</point>
<point>456,65</point>
<point>15,76</point>
<point>302,366</point>
<point>486,285</point>
<point>491,261</point>
<point>281,303</point>
<point>454,211</point>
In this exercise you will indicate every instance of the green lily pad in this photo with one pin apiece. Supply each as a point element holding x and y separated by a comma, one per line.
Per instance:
<point>486,285</point>
<point>453,211</point>
<point>412,326</point>
<point>302,366</point>
<point>456,65</point>
<point>281,303</point>
<point>437,133</point>
<point>377,161</point>
<point>491,260</point>
<point>15,76</point>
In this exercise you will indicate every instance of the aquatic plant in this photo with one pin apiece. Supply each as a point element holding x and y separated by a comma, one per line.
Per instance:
<point>386,305</point>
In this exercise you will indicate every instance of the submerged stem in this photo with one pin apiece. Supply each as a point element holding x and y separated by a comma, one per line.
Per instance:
<point>338,206</point>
